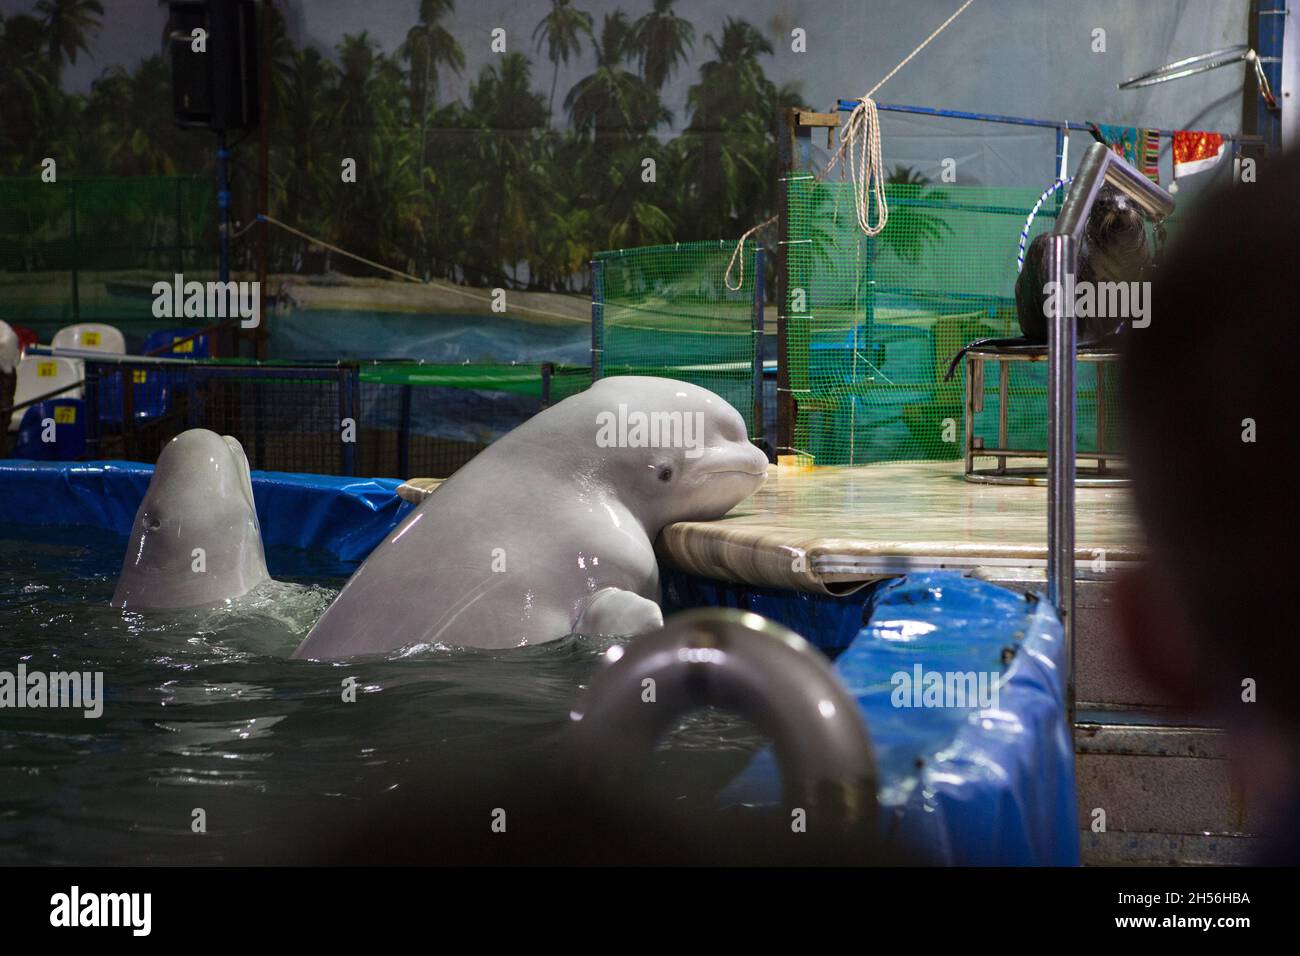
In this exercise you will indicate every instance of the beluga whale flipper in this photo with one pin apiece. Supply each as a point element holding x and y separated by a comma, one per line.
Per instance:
<point>196,540</point>
<point>550,530</point>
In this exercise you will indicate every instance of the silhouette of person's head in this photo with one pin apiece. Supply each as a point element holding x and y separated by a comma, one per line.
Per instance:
<point>1209,393</point>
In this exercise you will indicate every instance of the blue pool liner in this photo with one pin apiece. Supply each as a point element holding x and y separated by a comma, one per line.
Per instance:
<point>343,517</point>
<point>963,785</point>
<point>969,785</point>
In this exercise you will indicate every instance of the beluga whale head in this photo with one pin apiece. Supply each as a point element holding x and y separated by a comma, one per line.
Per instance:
<point>196,540</point>
<point>675,451</point>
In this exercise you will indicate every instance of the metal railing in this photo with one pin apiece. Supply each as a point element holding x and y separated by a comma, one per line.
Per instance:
<point>744,663</point>
<point>1099,166</point>
<point>396,419</point>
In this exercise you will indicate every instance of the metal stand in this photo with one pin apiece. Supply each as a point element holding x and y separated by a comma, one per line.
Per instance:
<point>1108,467</point>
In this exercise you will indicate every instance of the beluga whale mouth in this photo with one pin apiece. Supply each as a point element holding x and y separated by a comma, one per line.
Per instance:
<point>550,530</point>
<point>196,539</point>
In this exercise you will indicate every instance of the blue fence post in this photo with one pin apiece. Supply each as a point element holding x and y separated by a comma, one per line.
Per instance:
<point>758,344</point>
<point>597,318</point>
<point>91,395</point>
<point>348,384</point>
<point>192,411</point>
<point>72,234</point>
<point>404,436</point>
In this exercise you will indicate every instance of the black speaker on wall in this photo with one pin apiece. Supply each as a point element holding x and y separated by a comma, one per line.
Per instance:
<point>214,86</point>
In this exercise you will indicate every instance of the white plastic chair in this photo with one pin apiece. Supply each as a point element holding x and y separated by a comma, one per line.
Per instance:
<point>42,374</point>
<point>90,335</point>
<point>9,349</point>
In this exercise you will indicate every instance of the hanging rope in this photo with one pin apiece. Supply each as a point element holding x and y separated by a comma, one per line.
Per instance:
<point>446,286</point>
<point>860,149</point>
<point>860,143</point>
<point>726,279</point>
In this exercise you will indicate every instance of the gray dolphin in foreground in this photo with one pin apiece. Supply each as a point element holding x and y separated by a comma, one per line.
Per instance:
<point>196,539</point>
<point>550,530</point>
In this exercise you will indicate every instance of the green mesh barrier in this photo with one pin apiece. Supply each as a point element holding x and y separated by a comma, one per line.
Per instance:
<point>874,321</point>
<point>89,249</point>
<point>667,311</point>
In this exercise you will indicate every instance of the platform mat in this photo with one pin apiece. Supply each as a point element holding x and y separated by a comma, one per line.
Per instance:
<point>832,529</point>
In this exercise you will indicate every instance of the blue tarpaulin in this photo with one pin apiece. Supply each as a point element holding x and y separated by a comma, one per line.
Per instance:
<point>343,517</point>
<point>975,782</point>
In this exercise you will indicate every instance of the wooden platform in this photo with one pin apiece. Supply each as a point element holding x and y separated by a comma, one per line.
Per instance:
<point>831,530</point>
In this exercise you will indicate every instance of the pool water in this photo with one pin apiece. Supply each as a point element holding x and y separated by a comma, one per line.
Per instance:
<point>203,711</point>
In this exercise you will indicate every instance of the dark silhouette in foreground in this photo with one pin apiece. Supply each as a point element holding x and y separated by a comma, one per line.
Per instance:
<point>1209,397</point>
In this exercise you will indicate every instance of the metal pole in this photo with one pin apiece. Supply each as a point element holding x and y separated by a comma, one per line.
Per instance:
<point>1004,378</point>
<point>404,435</point>
<point>758,343</point>
<point>263,174</point>
<point>223,222</point>
<point>597,318</point>
<point>1062,259</point>
<point>180,225</point>
<point>91,393</point>
<point>969,372</point>
<point>846,106</point>
<point>348,387</point>
<point>223,207</point>
<point>1098,167</point>
<point>786,412</point>
<point>72,226</point>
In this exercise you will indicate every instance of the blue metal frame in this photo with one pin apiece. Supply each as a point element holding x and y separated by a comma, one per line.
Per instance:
<point>1058,125</point>
<point>90,392</point>
<point>1271,124</point>
<point>348,389</point>
<point>597,319</point>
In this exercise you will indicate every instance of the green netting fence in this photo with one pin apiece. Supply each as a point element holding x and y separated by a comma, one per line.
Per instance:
<point>397,419</point>
<point>80,250</point>
<point>872,323</point>
<point>668,311</point>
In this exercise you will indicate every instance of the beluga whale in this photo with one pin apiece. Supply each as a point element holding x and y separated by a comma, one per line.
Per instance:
<point>550,530</point>
<point>196,540</point>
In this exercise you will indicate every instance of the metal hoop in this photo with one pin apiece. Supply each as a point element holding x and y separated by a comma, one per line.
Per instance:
<point>1202,63</point>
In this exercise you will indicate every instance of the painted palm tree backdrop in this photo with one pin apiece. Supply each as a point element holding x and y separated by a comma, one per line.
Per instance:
<point>483,188</point>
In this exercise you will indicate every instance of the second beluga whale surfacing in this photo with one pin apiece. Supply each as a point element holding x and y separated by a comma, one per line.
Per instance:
<point>550,530</point>
<point>195,540</point>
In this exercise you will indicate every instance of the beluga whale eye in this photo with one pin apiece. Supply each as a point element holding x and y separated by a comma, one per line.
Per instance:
<point>665,474</point>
